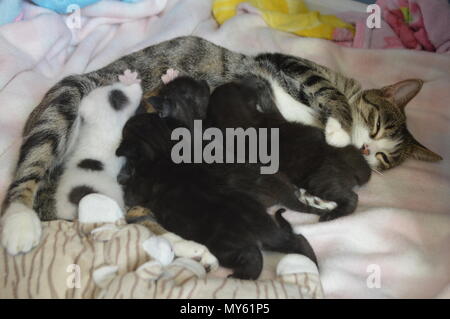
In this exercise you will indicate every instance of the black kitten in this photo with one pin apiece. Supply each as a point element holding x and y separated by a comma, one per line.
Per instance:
<point>310,163</point>
<point>198,203</point>
<point>184,100</point>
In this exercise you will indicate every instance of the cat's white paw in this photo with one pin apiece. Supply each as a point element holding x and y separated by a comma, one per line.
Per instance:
<point>98,208</point>
<point>335,135</point>
<point>191,249</point>
<point>209,261</point>
<point>315,201</point>
<point>129,78</point>
<point>21,229</point>
<point>198,252</point>
<point>170,75</point>
<point>160,249</point>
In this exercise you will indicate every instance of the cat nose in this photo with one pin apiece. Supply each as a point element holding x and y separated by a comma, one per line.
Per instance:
<point>365,149</point>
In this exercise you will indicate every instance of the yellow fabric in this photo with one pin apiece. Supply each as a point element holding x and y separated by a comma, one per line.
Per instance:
<point>285,15</point>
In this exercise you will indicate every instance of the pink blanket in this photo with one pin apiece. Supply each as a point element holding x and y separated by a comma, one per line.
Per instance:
<point>410,24</point>
<point>396,245</point>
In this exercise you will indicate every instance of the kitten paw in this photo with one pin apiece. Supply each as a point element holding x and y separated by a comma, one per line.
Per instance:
<point>335,135</point>
<point>21,229</point>
<point>98,208</point>
<point>129,78</point>
<point>160,249</point>
<point>198,252</point>
<point>209,261</point>
<point>170,75</point>
<point>315,201</point>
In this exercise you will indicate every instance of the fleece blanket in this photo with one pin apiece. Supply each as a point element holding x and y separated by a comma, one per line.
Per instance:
<point>106,258</point>
<point>395,245</point>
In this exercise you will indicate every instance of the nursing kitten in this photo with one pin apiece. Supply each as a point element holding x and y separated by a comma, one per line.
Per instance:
<point>306,158</point>
<point>196,204</point>
<point>92,166</point>
<point>301,89</point>
<point>184,100</point>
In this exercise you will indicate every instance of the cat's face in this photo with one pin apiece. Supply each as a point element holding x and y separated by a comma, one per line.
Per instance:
<point>379,128</point>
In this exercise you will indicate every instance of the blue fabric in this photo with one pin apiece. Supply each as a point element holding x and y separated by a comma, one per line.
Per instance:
<point>61,6</point>
<point>9,10</point>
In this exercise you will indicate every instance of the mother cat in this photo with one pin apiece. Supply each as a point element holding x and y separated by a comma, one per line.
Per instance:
<point>370,119</point>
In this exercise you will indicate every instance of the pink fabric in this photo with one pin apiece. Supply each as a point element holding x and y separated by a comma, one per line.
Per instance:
<point>402,225</point>
<point>436,18</point>
<point>411,33</point>
<point>428,28</point>
<point>365,38</point>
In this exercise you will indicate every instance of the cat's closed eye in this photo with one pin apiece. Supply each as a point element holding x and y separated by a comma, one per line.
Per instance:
<point>376,128</point>
<point>381,156</point>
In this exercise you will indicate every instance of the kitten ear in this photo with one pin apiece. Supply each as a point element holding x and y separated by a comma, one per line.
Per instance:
<point>402,92</point>
<point>421,153</point>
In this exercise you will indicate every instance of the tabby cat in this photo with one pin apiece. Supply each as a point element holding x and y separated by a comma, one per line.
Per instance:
<point>345,111</point>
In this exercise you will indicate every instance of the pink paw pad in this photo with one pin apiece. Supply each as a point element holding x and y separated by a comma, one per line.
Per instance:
<point>170,75</point>
<point>129,78</point>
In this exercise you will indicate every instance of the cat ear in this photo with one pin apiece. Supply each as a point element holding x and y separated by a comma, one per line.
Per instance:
<point>402,92</point>
<point>421,153</point>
